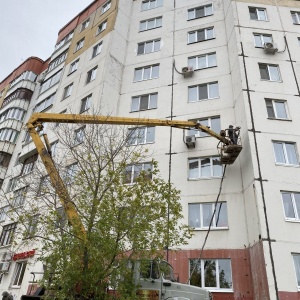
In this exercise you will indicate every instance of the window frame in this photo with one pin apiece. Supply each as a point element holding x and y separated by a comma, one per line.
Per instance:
<point>29,164</point>
<point>3,213</point>
<point>133,175</point>
<point>143,73</point>
<point>79,135</point>
<point>19,197</point>
<point>67,91</point>
<point>86,103</point>
<point>73,66</point>
<point>208,123</point>
<point>198,160</point>
<point>147,22</point>
<point>95,49</point>
<point>79,45</point>
<point>295,16</point>
<point>100,27</point>
<point>269,73</point>
<point>91,75</point>
<point>153,46</point>
<point>206,55</point>
<point>19,272</point>
<point>208,91</point>
<point>140,99</point>
<point>7,234</point>
<point>262,36</point>
<point>202,216</point>
<point>297,268</point>
<point>285,153</point>
<point>205,30</point>
<point>202,271</point>
<point>158,3</point>
<point>85,24</point>
<point>293,203</point>
<point>274,108</point>
<point>199,7</point>
<point>141,135</point>
<point>105,7</point>
<point>257,9</point>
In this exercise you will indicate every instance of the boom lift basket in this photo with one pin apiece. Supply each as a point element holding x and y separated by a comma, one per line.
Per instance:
<point>229,153</point>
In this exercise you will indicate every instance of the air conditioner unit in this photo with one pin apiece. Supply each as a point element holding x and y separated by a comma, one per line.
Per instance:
<point>190,141</point>
<point>6,256</point>
<point>4,267</point>
<point>187,71</point>
<point>270,48</point>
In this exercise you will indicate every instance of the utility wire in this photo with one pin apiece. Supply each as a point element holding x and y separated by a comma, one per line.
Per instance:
<point>209,227</point>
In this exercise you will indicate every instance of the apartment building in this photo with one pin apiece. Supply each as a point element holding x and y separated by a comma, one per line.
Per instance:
<point>128,58</point>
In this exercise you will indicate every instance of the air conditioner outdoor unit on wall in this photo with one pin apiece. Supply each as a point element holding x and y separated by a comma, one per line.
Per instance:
<point>4,267</point>
<point>187,71</point>
<point>190,141</point>
<point>270,48</point>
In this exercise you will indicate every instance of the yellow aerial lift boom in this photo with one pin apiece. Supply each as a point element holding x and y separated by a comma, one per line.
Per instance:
<point>229,150</point>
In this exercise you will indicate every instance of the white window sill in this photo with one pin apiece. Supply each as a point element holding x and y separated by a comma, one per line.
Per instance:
<point>145,79</point>
<point>212,228</point>
<point>271,80</point>
<point>286,165</point>
<point>204,178</point>
<point>292,220</point>
<point>278,119</point>
<point>220,290</point>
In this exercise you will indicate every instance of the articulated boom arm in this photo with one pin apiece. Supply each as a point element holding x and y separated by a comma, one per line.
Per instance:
<point>35,124</point>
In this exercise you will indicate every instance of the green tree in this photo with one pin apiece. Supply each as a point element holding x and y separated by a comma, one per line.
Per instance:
<point>129,213</point>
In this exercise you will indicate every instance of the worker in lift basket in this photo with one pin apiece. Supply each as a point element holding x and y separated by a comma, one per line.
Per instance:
<point>7,296</point>
<point>233,135</point>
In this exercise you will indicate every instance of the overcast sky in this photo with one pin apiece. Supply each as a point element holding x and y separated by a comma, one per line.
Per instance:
<point>30,28</point>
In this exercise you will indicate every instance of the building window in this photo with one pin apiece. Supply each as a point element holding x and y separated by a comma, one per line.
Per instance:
<point>51,81</point>
<point>102,27</point>
<point>67,38</point>
<point>12,184</point>
<point>79,44</point>
<point>285,153</point>
<point>79,135</point>
<point>53,148</point>
<point>261,39</point>
<point>29,164</point>
<point>13,113</point>
<point>19,93</point>
<point>296,17</point>
<point>133,171</point>
<point>86,103</point>
<point>19,272</point>
<point>19,197</point>
<point>149,4</point>
<point>141,135</point>
<point>106,7</point>
<point>68,91</point>
<point>8,135</point>
<point>201,35</point>
<point>4,159</point>
<point>296,258</point>
<point>269,72</point>
<point>70,173</point>
<point>203,61</point>
<point>31,227</point>
<point>291,204</point>
<point>203,91</point>
<point>150,24</point>
<point>61,218</point>
<point>44,104</point>
<point>211,273</point>
<point>205,167</point>
<point>200,215</point>
<point>57,61</point>
<point>74,66</point>
<point>27,75</point>
<point>7,234</point>
<point>91,75</point>
<point>258,13</point>
<point>199,12</point>
<point>85,24</point>
<point>3,213</point>
<point>148,47</point>
<point>97,49</point>
<point>214,123</point>
<point>146,73</point>
<point>144,102</point>
<point>299,41</point>
<point>276,109</point>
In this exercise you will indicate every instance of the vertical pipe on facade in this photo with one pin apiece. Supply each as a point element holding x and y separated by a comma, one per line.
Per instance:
<point>260,175</point>
<point>171,132</point>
